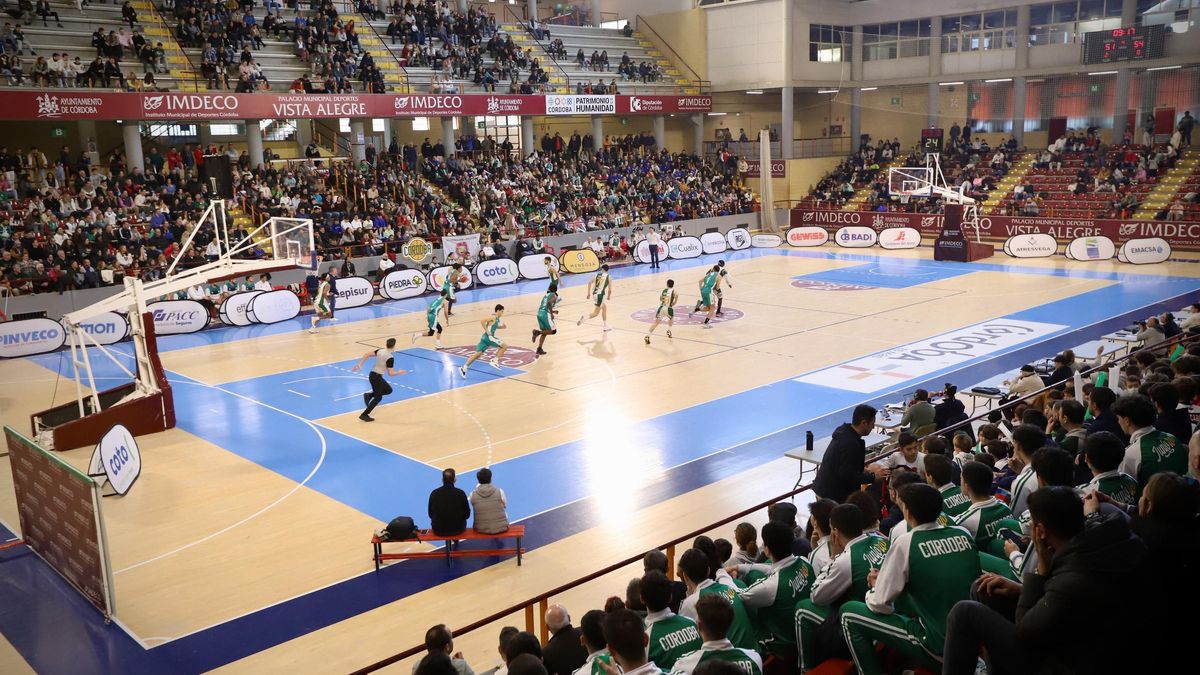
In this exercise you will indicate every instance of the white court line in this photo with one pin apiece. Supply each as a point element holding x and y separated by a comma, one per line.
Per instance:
<point>299,394</point>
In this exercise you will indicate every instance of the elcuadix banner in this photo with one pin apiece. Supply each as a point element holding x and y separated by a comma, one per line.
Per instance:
<point>402,283</point>
<point>1098,247</point>
<point>116,460</point>
<point>354,292</point>
<point>233,310</point>
<point>31,336</point>
<point>176,317</point>
<point>106,329</point>
<point>273,306</point>
<point>766,241</point>
<point>534,265</point>
<point>713,242</point>
<point>738,238</point>
<point>579,261</point>
<point>495,272</point>
<point>465,246</point>
<point>684,247</point>
<point>1145,251</point>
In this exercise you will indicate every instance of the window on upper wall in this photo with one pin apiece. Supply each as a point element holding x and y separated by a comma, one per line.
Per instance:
<point>896,39</point>
<point>994,29</point>
<point>1178,15</point>
<point>829,43</point>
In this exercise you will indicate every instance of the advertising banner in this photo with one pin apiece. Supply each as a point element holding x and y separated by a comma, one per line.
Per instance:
<point>31,336</point>
<point>738,238</point>
<point>754,168</point>
<point>466,247</point>
<point>581,104</point>
<point>684,247</point>
<point>641,252</point>
<point>650,105</point>
<point>1090,248</point>
<point>107,329</point>
<point>766,241</point>
<point>1031,246</point>
<point>400,284</point>
<point>713,242</point>
<point>116,460</point>
<point>233,310</point>
<point>533,266</point>
<point>807,236</point>
<point>273,306</point>
<point>1144,251</point>
<point>495,272</point>
<point>354,292</point>
<point>579,261</point>
<point>175,317</point>
<point>437,278</point>
<point>855,237</point>
<point>896,238</point>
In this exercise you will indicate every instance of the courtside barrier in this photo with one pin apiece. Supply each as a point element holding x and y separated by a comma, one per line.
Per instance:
<point>1144,251</point>
<point>437,278</point>
<point>533,266</point>
<point>713,242</point>
<point>177,317</point>
<point>496,272</point>
<point>766,241</point>
<point>403,283</point>
<point>106,329</point>
<point>579,261</point>
<point>738,238</point>
<point>806,236</point>
<point>685,247</point>
<point>354,292</point>
<point>273,306</point>
<point>1031,246</point>
<point>233,310</point>
<point>1090,248</point>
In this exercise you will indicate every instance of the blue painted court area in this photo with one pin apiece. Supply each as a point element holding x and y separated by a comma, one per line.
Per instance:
<point>896,273</point>
<point>333,389</point>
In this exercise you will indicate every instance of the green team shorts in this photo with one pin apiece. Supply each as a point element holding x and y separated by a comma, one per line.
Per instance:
<point>544,321</point>
<point>488,341</point>
<point>669,311</point>
<point>599,299</point>
<point>706,298</point>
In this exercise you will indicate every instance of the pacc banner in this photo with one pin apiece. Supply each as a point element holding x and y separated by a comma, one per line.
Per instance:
<point>31,336</point>
<point>766,241</point>
<point>108,328</point>
<point>579,261</point>
<point>354,292</point>
<point>273,306</point>
<point>533,266</point>
<point>175,317</point>
<point>1031,246</point>
<point>1179,235</point>
<point>897,238</point>
<point>233,310</point>
<point>738,238</point>
<point>495,272</point>
<point>1144,251</point>
<point>116,460</point>
<point>713,242</point>
<point>400,284</point>
<point>807,236</point>
<point>437,278</point>
<point>1090,248</point>
<point>855,237</point>
<point>684,247</point>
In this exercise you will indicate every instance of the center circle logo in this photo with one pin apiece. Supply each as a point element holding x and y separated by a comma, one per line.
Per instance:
<point>514,357</point>
<point>682,318</point>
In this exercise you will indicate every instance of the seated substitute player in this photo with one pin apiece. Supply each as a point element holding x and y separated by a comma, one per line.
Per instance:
<point>984,516</point>
<point>666,306</point>
<point>438,303</point>
<point>545,319</point>
<point>927,570</point>
<point>489,339</point>
<point>670,636</point>
<point>715,618</point>
<point>379,386</point>
<point>1104,452</point>
<point>600,288</point>
<point>788,581</point>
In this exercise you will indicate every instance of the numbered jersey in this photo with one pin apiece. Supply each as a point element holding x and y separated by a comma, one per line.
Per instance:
<point>710,280</point>
<point>600,285</point>
<point>667,297</point>
<point>546,303</point>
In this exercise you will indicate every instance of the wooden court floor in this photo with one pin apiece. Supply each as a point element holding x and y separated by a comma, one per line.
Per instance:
<point>270,487</point>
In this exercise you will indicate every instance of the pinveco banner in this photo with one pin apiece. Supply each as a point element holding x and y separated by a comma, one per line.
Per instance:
<point>111,105</point>
<point>30,336</point>
<point>1179,235</point>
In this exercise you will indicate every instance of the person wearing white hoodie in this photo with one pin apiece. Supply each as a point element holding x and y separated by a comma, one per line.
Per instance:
<point>488,504</point>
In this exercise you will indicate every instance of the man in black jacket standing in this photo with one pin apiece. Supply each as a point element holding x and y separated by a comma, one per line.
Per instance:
<point>448,507</point>
<point>842,469</point>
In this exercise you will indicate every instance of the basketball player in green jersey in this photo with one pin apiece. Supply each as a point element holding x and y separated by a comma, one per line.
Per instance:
<point>431,313</point>
<point>489,339</point>
<point>600,287</point>
<point>710,281</point>
<point>450,287</point>
<point>322,307</point>
<point>552,271</point>
<point>666,306</point>
<point>724,279</point>
<point>545,319</point>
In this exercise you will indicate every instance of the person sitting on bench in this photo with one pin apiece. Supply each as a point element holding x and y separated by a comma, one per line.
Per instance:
<point>448,507</point>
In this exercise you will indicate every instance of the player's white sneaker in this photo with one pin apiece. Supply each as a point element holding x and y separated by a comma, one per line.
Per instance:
<point>462,371</point>
<point>494,363</point>
<point>414,338</point>
<point>706,325</point>
<point>438,344</point>
<point>606,329</point>
<point>313,330</point>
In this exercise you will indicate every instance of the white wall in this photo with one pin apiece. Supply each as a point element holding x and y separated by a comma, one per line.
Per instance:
<point>628,9</point>
<point>745,45</point>
<point>982,62</point>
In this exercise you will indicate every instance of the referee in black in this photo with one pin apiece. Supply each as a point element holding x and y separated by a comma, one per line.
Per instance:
<point>379,386</point>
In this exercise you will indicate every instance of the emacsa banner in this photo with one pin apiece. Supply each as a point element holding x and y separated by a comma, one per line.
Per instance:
<point>30,336</point>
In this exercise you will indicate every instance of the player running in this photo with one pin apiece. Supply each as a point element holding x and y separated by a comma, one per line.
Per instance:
<point>724,279</point>
<point>545,319</point>
<point>489,339</point>
<point>599,287</point>
<point>552,270</point>
<point>384,360</point>
<point>707,284</point>
<point>450,286</point>
<point>666,305</point>
<point>439,303</point>
<point>322,307</point>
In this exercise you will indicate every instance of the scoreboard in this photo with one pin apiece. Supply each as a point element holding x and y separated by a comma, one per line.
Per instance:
<point>1135,43</point>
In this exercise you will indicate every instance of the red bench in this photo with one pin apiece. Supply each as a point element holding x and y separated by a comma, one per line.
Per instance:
<point>515,531</point>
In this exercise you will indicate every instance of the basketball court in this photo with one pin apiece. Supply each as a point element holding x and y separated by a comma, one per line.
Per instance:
<point>244,544</point>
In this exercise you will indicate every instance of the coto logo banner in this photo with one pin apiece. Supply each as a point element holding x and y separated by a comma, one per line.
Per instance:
<point>116,460</point>
<point>354,292</point>
<point>273,306</point>
<point>1098,247</point>
<point>533,266</point>
<point>1145,251</point>
<point>494,272</point>
<point>713,242</point>
<point>738,238</point>
<point>106,329</point>
<point>176,317</point>
<point>580,261</point>
<point>30,336</point>
<point>400,284</point>
<point>807,235</point>
<point>856,236</point>
<point>685,247</point>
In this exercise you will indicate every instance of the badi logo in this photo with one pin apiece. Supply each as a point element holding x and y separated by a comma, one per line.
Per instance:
<point>856,237</point>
